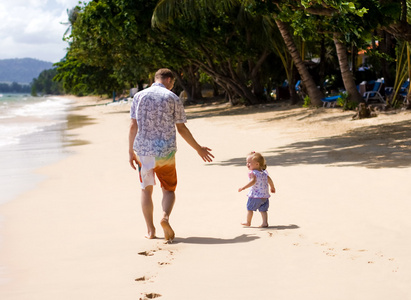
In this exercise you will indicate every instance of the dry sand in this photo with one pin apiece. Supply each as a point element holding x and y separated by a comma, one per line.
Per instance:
<point>340,221</point>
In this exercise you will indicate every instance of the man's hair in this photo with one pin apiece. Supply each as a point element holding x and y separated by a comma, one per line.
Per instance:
<point>164,73</point>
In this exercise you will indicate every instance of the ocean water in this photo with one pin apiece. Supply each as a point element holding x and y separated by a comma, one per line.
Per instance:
<point>32,134</point>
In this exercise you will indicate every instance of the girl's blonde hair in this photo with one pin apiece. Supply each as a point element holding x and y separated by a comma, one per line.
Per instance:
<point>258,158</point>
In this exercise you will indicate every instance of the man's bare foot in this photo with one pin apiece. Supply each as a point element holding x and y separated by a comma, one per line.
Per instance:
<point>168,231</point>
<point>151,233</point>
<point>246,224</point>
<point>263,226</point>
<point>150,236</point>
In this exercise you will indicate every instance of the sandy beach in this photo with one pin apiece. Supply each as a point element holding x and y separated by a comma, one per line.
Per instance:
<point>339,221</point>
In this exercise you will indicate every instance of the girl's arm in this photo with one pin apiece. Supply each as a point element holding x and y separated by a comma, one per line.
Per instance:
<point>252,181</point>
<point>271,183</point>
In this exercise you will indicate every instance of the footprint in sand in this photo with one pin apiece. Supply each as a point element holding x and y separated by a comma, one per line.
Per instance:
<point>353,254</point>
<point>146,296</point>
<point>143,278</point>
<point>151,252</point>
<point>164,259</point>
<point>147,253</point>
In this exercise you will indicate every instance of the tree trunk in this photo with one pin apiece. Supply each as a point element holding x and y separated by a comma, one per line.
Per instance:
<point>190,82</point>
<point>185,85</point>
<point>255,75</point>
<point>347,76</point>
<point>354,56</point>
<point>196,84</point>
<point>313,92</point>
<point>230,81</point>
<point>386,46</point>
<point>215,89</point>
<point>230,95</point>
<point>322,65</point>
<point>294,97</point>
<point>140,85</point>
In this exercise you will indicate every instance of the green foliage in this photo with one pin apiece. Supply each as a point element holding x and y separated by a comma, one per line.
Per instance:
<point>314,20</point>
<point>80,79</point>
<point>345,103</point>
<point>14,87</point>
<point>235,43</point>
<point>402,71</point>
<point>45,85</point>
<point>114,39</point>
<point>307,101</point>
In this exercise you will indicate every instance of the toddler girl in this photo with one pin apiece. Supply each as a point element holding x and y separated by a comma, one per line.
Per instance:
<point>258,194</point>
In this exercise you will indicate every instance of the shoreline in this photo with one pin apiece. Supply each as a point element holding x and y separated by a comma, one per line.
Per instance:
<point>47,144</point>
<point>336,231</point>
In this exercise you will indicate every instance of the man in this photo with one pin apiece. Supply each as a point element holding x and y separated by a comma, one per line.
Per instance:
<point>156,113</point>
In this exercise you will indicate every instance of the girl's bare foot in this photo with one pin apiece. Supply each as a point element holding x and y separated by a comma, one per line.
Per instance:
<point>168,231</point>
<point>263,226</point>
<point>246,224</point>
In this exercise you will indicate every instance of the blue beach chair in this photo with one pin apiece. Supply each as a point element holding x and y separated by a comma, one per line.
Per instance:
<point>403,89</point>
<point>374,94</point>
<point>330,101</point>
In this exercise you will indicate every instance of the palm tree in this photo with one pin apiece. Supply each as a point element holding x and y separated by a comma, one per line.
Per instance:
<point>346,74</point>
<point>313,92</point>
<point>72,17</point>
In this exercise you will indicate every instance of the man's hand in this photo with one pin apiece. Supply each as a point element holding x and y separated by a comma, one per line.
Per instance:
<point>133,160</point>
<point>205,154</point>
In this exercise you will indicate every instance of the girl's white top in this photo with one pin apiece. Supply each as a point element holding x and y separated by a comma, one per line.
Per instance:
<point>260,188</point>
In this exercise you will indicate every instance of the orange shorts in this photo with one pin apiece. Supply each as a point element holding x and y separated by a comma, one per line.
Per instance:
<point>163,167</point>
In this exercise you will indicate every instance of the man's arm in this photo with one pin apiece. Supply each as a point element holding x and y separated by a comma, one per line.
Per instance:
<point>131,137</point>
<point>204,152</point>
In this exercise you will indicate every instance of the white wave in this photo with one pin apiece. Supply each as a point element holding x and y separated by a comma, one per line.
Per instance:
<point>30,116</point>
<point>49,107</point>
<point>10,134</point>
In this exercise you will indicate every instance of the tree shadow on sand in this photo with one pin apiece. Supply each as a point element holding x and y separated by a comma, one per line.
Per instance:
<point>282,112</point>
<point>382,146</point>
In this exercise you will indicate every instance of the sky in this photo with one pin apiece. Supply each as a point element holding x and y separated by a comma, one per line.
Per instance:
<point>33,29</point>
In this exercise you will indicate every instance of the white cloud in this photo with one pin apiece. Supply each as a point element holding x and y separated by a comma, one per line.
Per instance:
<point>32,28</point>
